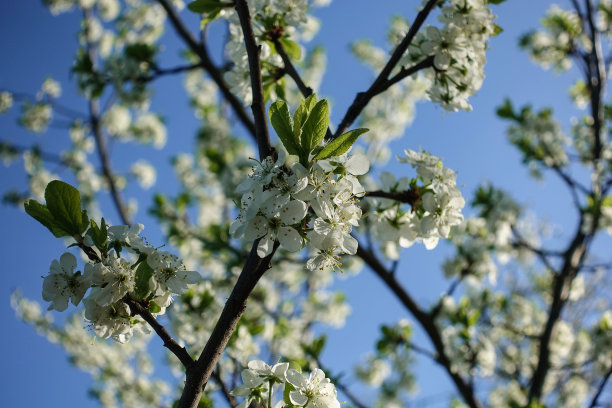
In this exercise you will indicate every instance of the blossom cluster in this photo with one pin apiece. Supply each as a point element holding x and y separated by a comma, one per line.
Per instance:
<point>287,21</point>
<point>458,51</point>
<point>436,205</point>
<point>152,279</point>
<point>308,391</point>
<point>276,201</point>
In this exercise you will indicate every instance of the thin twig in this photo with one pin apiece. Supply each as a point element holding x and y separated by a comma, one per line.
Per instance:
<point>363,98</point>
<point>180,352</point>
<point>216,376</point>
<point>600,388</point>
<point>290,69</point>
<point>426,322</point>
<point>409,196</point>
<point>258,106</point>
<point>200,372</point>
<point>201,51</point>
<point>94,121</point>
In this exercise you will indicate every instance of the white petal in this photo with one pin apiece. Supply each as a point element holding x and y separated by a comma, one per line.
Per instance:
<point>293,212</point>
<point>289,239</point>
<point>358,165</point>
<point>297,398</point>
<point>265,246</point>
<point>68,262</point>
<point>349,245</point>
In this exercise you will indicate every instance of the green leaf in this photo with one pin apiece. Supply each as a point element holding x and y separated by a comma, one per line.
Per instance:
<point>41,213</point>
<point>495,1</point>
<point>497,30</point>
<point>291,48</point>
<point>204,6</point>
<point>140,52</point>
<point>299,117</point>
<point>506,111</point>
<point>64,202</point>
<point>315,127</point>
<point>341,144</point>
<point>210,17</point>
<point>288,388</point>
<point>143,274</point>
<point>154,307</point>
<point>99,235</point>
<point>310,102</point>
<point>281,122</point>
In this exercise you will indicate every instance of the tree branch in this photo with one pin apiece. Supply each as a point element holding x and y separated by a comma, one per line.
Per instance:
<point>425,320</point>
<point>600,388</point>
<point>409,196</point>
<point>94,121</point>
<point>258,105</point>
<point>380,84</point>
<point>201,51</point>
<point>199,374</point>
<point>180,352</point>
<point>290,69</point>
<point>216,376</point>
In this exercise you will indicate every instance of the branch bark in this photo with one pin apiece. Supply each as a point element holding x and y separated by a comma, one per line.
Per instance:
<point>199,374</point>
<point>381,82</point>
<point>180,352</point>
<point>425,320</point>
<point>259,105</point>
<point>201,51</point>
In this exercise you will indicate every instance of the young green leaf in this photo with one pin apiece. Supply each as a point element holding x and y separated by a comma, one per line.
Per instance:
<point>154,307</point>
<point>41,213</point>
<point>281,122</point>
<point>64,202</point>
<point>204,6</point>
<point>341,144</point>
<point>310,102</point>
<point>299,117</point>
<point>143,274</point>
<point>315,127</point>
<point>291,48</point>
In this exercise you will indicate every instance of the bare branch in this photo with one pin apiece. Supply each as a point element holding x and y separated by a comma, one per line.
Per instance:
<point>94,121</point>
<point>180,352</point>
<point>425,320</point>
<point>380,84</point>
<point>409,196</point>
<point>290,69</point>
<point>201,51</point>
<point>258,105</point>
<point>600,388</point>
<point>199,374</point>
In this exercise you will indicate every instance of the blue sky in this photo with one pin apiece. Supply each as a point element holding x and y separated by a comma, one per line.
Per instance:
<point>35,44</point>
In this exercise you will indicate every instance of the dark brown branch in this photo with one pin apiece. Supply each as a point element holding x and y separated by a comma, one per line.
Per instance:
<point>600,388</point>
<point>425,320</point>
<point>199,374</point>
<point>216,376</point>
<point>94,121</point>
<point>258,106</point>
<point>159,72</point>
<point>597,80</point>
<point>292,72</point>
<point>406,72</point>
<point>201,51</point>
<point>342,387</point>
<point>409,196</point>
<point>380,84</point>
<point>573,258</point>
<point>57,107</point>
<point>180,352</point>
<point>290,69</point>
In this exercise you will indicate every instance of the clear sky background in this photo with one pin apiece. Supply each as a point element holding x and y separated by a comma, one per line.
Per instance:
<point>34,44</point>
